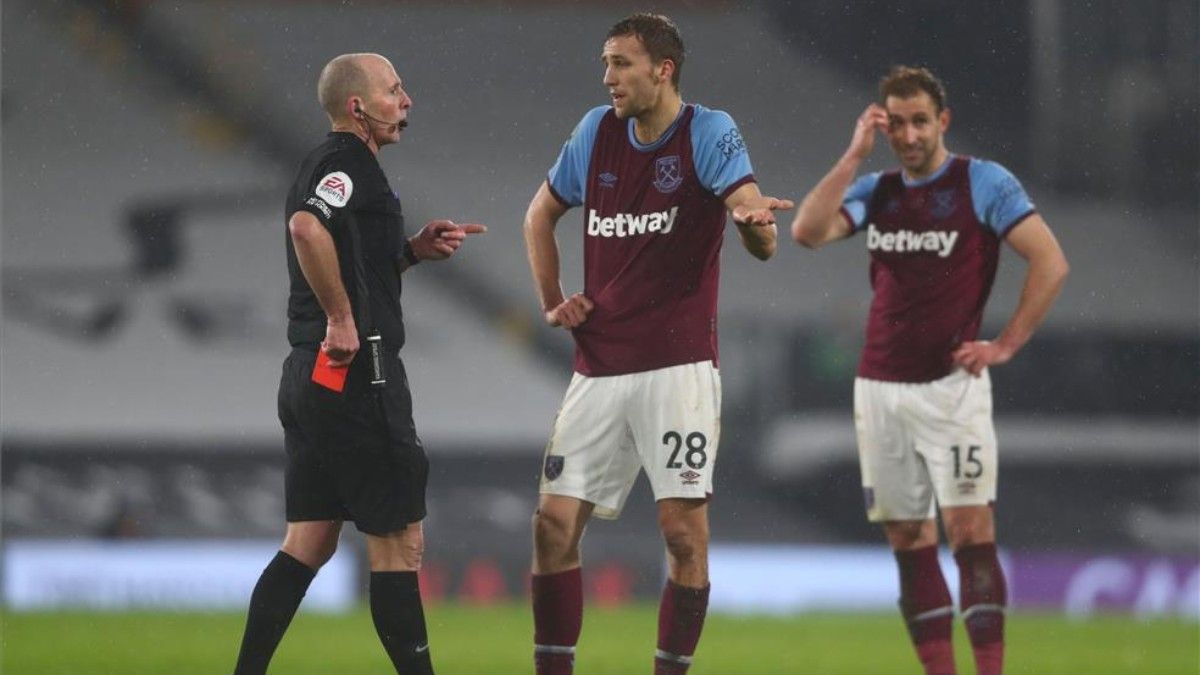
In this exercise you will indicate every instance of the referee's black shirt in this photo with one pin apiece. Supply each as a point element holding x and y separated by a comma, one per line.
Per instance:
<point>342,184</point>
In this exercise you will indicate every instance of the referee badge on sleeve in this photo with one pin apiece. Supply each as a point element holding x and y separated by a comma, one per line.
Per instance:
<point>554,466</point>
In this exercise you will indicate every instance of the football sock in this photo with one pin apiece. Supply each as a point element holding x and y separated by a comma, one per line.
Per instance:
<point>272,605</point>
<point>400,621</point>
<point>983,595</point>
<point>557,620</point>
<point>680,620</point>
<point>927,608</point>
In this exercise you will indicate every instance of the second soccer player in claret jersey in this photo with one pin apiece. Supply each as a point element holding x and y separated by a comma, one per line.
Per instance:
<point>656,178</point>
<point>922,398</point>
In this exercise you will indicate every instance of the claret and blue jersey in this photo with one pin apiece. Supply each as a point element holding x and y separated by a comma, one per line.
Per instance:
<point>935,246</point>
<point>654,216</point>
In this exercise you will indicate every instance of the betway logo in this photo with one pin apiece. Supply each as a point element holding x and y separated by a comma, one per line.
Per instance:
<point>629,224</point>
<point>907,241</point>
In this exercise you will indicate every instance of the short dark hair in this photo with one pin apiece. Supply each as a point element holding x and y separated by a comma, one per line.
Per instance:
<point>659,36</point>
<point>908,81</point>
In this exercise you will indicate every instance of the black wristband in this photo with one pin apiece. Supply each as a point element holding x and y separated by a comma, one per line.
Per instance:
<point>409,255</point>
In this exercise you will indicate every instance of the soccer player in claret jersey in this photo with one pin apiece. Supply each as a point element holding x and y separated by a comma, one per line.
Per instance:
<point>656,177</point>
<point>922,398</point>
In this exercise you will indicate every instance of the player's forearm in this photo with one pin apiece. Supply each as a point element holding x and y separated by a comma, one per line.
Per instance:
<point>542,248</point>
<point>1043,282</point>
<point>759,240</point>
<point>317,256</point>
<point>817,216</point>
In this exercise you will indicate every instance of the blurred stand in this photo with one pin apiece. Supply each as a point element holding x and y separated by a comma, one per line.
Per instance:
<point>144,291</point>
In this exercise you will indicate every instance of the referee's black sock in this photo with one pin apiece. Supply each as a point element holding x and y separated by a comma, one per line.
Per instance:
<point>400,621</point>
<point>272,605</point>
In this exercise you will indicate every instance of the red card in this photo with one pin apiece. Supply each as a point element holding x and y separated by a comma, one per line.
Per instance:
<point>330,377</point>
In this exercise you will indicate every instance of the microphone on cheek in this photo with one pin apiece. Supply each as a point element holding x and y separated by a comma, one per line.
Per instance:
<point>394,125</point>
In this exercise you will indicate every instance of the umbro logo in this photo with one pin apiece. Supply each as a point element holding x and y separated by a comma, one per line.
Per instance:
<point>607,179</point>
<point>690,477</point>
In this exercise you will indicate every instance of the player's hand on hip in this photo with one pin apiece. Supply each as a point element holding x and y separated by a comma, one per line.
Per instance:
<point>761,214</point>
<point>874,118</point>
<point>341,341</point>
<point>439,239</point>
<point>979,354</point>
<point>571,312</point>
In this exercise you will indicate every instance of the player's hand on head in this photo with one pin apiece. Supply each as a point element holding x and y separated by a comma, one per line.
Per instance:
<point>341,341</point>
<point>874,118</point>
<point>571,312</point>
<point>979,354</point>
<point>439,239</point>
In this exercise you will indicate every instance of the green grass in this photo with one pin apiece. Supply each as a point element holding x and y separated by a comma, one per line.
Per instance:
<point>472,641</point>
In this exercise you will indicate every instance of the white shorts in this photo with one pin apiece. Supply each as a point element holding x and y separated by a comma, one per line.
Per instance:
<point>666,421</point>
<point>918,442</point>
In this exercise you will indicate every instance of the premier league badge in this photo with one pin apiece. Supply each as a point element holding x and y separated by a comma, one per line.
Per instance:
<point>667,174</point>
<point>554,466</point>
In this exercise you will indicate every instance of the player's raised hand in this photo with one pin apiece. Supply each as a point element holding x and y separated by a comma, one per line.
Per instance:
<point>341,341</point>
<point>874,118</point>
<point>571,312</point>
<point>439,239</point>
<point>762,212</point>
<point>979,354</point>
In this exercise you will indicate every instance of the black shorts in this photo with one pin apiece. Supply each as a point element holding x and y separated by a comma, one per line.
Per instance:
<point>353,455</point>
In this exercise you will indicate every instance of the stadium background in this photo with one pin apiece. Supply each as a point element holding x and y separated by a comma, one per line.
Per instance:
<point>146,147</point>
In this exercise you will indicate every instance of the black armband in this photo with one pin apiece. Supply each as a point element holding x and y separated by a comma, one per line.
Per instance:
<point>408,255</point>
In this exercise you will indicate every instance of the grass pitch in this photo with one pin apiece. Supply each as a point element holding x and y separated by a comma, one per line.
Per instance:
<point>479,640</point>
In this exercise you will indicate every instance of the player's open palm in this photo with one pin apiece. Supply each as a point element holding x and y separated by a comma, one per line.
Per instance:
<point>439,239</point>
<point>979,354</point>
<point>762,213</point>
<point>571,312</point>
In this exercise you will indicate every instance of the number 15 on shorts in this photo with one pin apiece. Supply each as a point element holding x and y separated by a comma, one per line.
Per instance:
<point>967,465</point>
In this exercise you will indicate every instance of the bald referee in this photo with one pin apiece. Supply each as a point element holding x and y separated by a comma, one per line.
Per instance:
<point>352,449</point>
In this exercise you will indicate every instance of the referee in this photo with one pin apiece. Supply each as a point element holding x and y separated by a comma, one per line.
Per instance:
<point>352,449</point>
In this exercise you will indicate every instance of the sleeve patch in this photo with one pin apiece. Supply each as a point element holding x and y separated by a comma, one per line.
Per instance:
<point>1009,188</point>
<point>320,205</point>
<point>335,189</point>
<point>731,143</point>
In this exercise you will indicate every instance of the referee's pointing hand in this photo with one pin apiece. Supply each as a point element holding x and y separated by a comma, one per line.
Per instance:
<point>439,239</point>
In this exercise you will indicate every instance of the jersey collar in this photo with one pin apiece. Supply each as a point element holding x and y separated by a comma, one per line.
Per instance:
<point>658,142</point>
<point>909,182</point>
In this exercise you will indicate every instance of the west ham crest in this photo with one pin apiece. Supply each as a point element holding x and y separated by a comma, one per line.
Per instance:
<point>667,173</point>
<point>554,466</point>
<point>943,204</point>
